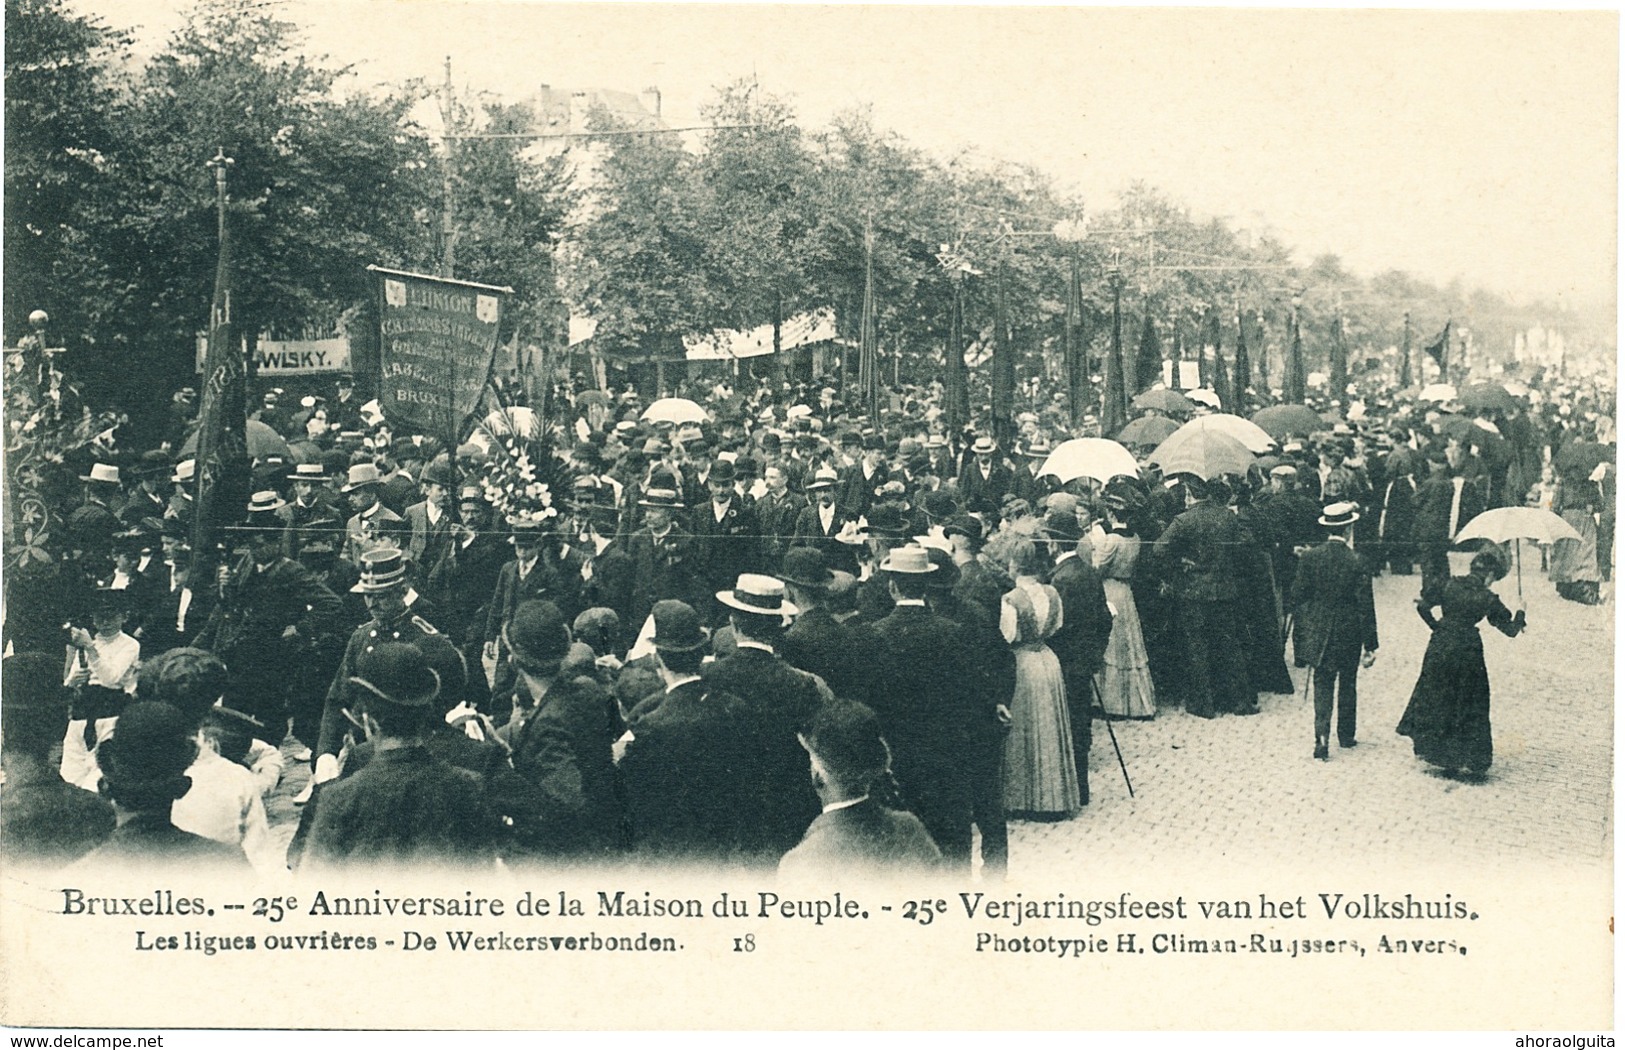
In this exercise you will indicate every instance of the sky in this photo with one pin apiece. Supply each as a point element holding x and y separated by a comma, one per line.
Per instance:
<point>1473,145</point>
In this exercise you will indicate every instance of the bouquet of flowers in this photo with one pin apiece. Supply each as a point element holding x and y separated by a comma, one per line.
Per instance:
<point>523,479</point>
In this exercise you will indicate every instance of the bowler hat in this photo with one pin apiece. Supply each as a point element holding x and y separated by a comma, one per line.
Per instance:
<point>381,570</point>
<point>888,519</point>
<point>759,595</point>
<point>805,567</point>
<point>1062,525</point>
<point>965,525</point>
<point>723,470</point>
<point>677,627</point>
<point>537,634</point>
<point>438,473</point>
<point>397,673</point>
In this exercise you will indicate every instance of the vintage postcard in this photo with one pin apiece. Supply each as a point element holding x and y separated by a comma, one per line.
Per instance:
<point>526,516</point>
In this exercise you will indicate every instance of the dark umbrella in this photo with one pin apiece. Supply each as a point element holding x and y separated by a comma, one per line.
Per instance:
<point>1147,430</point>
<point>1280,420</point>
<point>1469,432</point>
<point>1490,396</point>
<point>1582,457</point>
<point>263,442</point>
<point>1170,401</point>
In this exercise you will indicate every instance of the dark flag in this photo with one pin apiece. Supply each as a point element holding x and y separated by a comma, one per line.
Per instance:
<point>958,397</point>
<point>223,468</point>
<point>1220,374</point>
<point>1293,394</point>
<point>1077,357</point>
<point>1338,372</point>
<point>1004,365</point>
<point>1148,362</point>
<point>1439,349</point>
<point>1405,355</point>
<point>1244,368</point>
<point>1263,356</point>
<point>868,352</point>
<point>1114,410</point>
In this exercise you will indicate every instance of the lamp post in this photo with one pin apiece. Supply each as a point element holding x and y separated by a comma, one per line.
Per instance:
<point>1072,233</point>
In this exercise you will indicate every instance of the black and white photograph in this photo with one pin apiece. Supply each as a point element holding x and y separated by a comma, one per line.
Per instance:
<point>1070,518</point>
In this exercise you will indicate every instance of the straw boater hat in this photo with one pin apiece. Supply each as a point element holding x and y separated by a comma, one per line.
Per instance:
<point>1340,515</point>
<point>526,525</point>
<point>911,559</point>
<point>313,472</point>
<point>758,595</point>
<point>1038,448</point>
<point>984,446</point>
<point>661,497</point>
<point>382,570</point>
<point>185,471</point>
<point>102,473</point>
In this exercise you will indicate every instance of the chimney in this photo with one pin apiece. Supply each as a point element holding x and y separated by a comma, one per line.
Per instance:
<point>650,96</point>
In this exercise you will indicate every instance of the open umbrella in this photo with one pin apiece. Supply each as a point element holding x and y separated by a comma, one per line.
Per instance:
<point>592,397</point>
<point>1147,430</point>
<point>1514,525</point>
<point>1205,453</point>
<point>1253,437</point>
<point>1582,457</point>
<point>1437,392</point>
<point>1096,458</point>
<point>1163,400</point>
<point>675,410</point>
<point>263,442</point>
<point>1280,420</point>
<point>1491,396</point>
<point>1470,431</point>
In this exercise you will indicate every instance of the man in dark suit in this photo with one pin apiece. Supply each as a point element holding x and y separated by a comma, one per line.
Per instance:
<point>310,516</point>
<point>855,833</point>
<point>607,572</point>
<point>662,554</point>
<point>929,690</point>
<point>462,583</point>
<point>683,764</point>
<point>1027,483</point>
<point>1336,620</point>
<point>777,701</point>
<point>861,482</point>
<point>1086,628</point>
<point>984,477</point>
<point>406,805</point>
<point>1197,555</point>
<point>270,613</point>
<point>1445,502</point>
<point>777,511</point>
<point>727,535</point>
<point>534,574</point>
<point>815,642</point>
<point>562,737</point>
<point>818,523</point>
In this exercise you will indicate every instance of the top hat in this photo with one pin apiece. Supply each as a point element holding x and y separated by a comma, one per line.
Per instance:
<point>361,475</point>
<point>397,673</point>
<point>805,567</point>
<point>309,472</point>
<point>537,634</point>
<point>911,559</point>
<point>1340,515</point>
<point>759,595</point>
<point>381,570</point>
<point>677,627</point>
<point>984,445</point>
<point>102,472</point>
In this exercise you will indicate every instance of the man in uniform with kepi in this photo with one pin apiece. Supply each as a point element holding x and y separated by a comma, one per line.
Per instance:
<point>383,587</point>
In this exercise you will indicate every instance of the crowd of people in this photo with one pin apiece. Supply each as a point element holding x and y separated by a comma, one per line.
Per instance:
<point>775,633</point>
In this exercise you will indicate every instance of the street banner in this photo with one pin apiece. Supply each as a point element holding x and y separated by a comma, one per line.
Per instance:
<point>438,340</point>
<point>293,357</point>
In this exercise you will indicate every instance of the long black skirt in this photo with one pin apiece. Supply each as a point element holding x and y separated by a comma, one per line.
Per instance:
<point>1448,718</point>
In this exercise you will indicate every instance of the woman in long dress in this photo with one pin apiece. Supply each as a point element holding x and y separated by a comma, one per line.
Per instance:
<point>1574,566</point>
<point>1124,679</point>
<point>1448,718</point>
<point>1041,775</point>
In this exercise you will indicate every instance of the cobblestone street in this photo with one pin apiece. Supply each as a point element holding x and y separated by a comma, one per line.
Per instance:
<point>1249,788</point>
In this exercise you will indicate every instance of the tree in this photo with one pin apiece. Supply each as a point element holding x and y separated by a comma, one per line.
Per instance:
<point>61,134</point>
